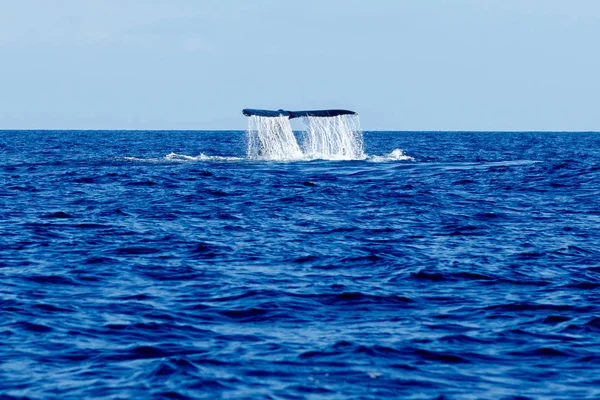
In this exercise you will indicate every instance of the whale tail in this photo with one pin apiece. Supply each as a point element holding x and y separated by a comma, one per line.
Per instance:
<point>248,112</point>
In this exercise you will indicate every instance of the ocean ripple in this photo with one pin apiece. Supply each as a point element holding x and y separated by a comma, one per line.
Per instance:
<point>167,265</point>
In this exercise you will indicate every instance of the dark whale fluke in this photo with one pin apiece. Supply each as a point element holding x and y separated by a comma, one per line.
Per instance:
<point>248,112</point>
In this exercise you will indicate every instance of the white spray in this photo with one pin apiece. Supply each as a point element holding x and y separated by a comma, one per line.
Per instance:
<point>333,138</point>
<point>271,138</point>
<point>329,138</point>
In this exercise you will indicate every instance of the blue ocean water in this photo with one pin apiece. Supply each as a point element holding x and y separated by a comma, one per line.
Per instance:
<point>166,265</point>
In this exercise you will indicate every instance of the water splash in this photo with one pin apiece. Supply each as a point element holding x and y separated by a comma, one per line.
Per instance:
<point>271,138</point>
<point>329,138</point>
<point>396,155</point>
<point>333,138</point>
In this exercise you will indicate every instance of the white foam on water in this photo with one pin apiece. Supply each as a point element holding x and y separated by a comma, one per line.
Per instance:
<point>138,159</point>
<point>174,157</point>
<point>396,155</point>
<point>201,157</point>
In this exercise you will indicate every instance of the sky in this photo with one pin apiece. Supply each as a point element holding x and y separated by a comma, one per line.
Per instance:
<point>499,65</point>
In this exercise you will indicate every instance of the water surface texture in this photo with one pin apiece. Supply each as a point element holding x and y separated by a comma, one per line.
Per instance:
<point>167,265</point>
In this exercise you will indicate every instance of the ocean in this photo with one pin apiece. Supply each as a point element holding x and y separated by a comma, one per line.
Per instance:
<point>166,264</point>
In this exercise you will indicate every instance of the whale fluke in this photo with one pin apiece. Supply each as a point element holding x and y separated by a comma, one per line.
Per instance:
<point>248,112</point>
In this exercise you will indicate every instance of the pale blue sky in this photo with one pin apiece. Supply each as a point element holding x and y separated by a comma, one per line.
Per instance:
<point>403,65</point>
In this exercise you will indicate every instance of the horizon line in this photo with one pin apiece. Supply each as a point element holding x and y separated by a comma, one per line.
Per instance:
<point>243,130</point>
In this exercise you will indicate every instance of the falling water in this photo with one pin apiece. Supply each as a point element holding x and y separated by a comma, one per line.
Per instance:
<point>333,138</point>
<point>271,138</point>
<point>330,138</point>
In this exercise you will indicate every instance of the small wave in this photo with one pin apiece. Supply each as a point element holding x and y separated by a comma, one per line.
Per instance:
<point>174,157</point>
<point>58,215</point>
<point>312,156</point>
<point>201,157</point>
<point>139,159</point>
<point>396,155</point>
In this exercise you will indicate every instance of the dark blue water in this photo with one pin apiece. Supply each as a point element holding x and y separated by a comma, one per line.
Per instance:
<point>471,272</point>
